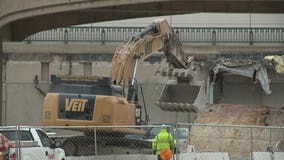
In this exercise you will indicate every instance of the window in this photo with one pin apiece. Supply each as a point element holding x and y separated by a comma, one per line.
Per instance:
<point>181,134</point>
<point>45,140</point>
<point>22,135</point>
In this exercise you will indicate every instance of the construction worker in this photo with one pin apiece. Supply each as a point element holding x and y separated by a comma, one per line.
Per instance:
<point>163,143</point>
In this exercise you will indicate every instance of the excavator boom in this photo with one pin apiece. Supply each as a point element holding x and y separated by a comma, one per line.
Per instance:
<point>156,38</point>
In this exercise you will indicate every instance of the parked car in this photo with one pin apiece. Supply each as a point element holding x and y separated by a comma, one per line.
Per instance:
<point>30,143</point>
<point>180,135</point>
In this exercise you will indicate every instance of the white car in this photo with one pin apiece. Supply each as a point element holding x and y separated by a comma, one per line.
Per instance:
<point>31,143</point>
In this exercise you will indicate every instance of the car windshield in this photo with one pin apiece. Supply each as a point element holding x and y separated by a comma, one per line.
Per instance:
<point>181,134</point>
<point>22,135</point>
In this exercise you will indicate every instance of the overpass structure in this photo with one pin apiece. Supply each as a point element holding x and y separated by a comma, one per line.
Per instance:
<point>18,18</point>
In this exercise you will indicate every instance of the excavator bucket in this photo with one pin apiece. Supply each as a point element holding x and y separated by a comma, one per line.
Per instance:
<point>182,97</point>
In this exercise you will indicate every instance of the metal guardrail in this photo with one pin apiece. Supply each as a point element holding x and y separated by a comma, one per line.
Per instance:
<point>186,35</point>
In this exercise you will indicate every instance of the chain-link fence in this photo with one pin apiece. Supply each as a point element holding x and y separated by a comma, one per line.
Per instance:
<point>193,142</point>
<point>238,142</point>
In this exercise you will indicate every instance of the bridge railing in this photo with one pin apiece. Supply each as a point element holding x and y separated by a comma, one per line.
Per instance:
<point>212,35</point>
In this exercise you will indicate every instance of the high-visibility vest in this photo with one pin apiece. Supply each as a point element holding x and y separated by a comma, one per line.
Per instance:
<point>162,140</point>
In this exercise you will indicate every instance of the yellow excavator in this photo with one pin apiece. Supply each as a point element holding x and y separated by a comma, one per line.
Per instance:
<point>89,100</point>
<point>110,101</point>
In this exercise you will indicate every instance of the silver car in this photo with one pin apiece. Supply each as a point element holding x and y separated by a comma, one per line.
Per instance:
<point>180,135</point>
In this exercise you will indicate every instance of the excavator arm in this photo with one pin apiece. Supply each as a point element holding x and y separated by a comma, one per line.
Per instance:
<point>156,38</point>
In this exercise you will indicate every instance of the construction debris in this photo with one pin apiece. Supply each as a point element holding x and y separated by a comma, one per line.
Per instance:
<point>237,140</point>
<point>255,71</point>
<point>190,89</point>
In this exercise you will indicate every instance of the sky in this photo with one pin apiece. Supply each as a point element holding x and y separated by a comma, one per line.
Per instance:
<point>206,20</point>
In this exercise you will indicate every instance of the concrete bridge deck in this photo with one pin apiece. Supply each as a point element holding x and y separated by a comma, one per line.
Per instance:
<point>18,18</point>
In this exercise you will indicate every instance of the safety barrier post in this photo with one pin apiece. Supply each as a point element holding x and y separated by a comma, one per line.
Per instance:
<point>177,33</point>
<point>251,143</point>
<point>65,36</point>
<point>103,37</point>
<point>250,37</point>
<point>18,148</point>
<point>29,40</point>
<point>175,157</point>
<point>96,144</point>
